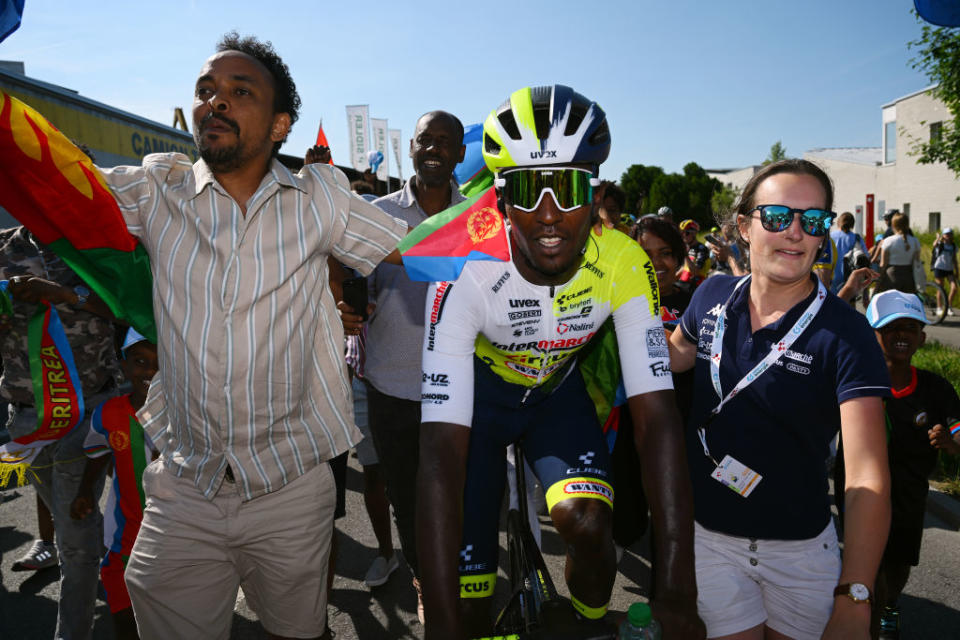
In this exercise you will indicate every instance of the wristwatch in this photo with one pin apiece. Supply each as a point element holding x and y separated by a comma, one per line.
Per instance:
<point>82,294</point>
<point>856,591</point>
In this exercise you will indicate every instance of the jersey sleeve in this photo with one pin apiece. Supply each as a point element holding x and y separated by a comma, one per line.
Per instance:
<point>644,356</point>
<point>861,368</point>
<point>453,319</point>
<point>96,443</point>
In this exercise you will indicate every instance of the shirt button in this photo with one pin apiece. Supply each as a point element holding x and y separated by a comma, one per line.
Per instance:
<point>753,546</point>
<point>753,562</point>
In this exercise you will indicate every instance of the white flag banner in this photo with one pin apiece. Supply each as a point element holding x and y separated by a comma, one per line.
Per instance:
<point>379,128</point>
<point>395,143</point>
<point>358,128</point>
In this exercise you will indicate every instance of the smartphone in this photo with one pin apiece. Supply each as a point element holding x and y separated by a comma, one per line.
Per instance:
<point>714,239</point>
<point>355,295</point>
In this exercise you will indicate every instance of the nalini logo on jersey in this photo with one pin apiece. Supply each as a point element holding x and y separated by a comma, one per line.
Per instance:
<point>563,327</point>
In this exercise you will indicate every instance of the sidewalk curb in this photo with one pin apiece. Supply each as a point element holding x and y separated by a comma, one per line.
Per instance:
<point>944,507</point>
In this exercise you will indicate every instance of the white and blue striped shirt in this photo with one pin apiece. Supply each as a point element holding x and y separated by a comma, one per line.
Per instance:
<point>250,344</point>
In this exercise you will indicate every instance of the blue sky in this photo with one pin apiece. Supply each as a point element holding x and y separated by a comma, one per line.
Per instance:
<point>711,82</point>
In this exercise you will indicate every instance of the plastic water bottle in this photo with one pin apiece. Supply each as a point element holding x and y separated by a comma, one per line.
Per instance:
<point>639,624</point>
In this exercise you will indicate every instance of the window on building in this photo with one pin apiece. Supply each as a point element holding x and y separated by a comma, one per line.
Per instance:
<point>906,209</point>
<point>890,142</point>
<point>933,222</point>
<point>936,131</point>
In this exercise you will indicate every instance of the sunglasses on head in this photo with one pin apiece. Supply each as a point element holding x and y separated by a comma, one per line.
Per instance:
<point>778,217</point>
<point>570,187</point>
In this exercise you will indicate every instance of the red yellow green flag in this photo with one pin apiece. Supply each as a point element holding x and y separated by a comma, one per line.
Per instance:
<point>55,191</point>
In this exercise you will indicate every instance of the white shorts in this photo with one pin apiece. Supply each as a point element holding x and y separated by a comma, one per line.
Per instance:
<point>787,584</point>
<point>366,452</point>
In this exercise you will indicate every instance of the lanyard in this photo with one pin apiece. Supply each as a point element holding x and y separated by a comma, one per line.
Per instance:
<point>776,351</point>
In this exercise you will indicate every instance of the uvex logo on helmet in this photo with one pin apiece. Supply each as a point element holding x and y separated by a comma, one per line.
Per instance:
<point>536,155</point>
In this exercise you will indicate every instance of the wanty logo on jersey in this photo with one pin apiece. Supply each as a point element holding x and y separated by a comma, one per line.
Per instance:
<point>484,224</point>
<point>582,486</point>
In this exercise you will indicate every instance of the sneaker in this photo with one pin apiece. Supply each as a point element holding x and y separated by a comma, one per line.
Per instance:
<point>416,585</point>
<point>41,556</point>
<point>950,311</point>
<point>380,570</point>
<point>938,312</point>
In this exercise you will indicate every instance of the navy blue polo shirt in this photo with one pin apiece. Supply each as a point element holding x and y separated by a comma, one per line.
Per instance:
<point>781,425</point>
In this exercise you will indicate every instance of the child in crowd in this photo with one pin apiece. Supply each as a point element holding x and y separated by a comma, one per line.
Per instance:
<point>114,430</point>
<point>922,416</point>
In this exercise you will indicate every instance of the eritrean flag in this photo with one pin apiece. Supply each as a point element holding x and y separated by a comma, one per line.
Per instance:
<point>472,173</point>
<point>438,248</point>
<point>54,190</point>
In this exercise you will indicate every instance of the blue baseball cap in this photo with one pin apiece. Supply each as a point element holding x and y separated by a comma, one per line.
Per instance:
<point>131,339</point>
<point>892,305</point>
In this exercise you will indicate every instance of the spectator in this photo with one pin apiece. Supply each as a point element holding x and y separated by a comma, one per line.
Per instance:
<point>697,265</point>
<point>923,417</point>
<point>845,239</point>
<point>36,273</point>
<point>780,364</point>
<point>116,440</point>
<point>944,257</point>
<point>899,254</point>
<point>251,399</point>
<point>395,331</point>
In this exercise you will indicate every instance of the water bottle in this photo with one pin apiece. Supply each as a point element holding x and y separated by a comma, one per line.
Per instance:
<point>639,624</point>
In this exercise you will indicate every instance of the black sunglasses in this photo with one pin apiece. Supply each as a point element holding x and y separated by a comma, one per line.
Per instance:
<point>777,217</point>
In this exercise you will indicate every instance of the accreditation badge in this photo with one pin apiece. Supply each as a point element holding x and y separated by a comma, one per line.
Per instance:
<point>737,476</point>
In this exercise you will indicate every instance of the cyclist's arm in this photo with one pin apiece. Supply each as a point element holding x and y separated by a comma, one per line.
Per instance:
<point>440,479</point>
<point>454,316</point>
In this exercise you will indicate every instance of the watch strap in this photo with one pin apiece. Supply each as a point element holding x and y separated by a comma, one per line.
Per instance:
<point>846,589</point>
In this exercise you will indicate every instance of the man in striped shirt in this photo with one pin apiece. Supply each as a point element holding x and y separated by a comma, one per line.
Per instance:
<point>251,398</point>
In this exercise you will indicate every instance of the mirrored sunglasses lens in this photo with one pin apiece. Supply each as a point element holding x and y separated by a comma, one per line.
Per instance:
<point>815,221</point>
<point>775,218</point>
<point>571,188</point>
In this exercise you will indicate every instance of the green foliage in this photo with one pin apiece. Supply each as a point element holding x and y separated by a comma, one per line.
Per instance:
<point>722,201</point>
<point>636,182</point>
<point>938,56</point>
<point>689,194</point>
<point>777,152</point>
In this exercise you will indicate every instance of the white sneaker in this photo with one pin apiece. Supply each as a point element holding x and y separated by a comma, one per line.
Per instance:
<point>380,570</point>
<point>938,312</point>
<point>950,311</point>
<point>41,555</point>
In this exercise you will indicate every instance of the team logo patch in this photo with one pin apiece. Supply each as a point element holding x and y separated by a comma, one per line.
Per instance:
<point>119,441</point>
<point>484,224</point>
<point>657,343</point>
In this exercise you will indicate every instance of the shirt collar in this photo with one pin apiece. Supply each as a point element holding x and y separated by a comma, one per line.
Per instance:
<point>741,300</point>
<point>408,198</point>
<point>203,176</point>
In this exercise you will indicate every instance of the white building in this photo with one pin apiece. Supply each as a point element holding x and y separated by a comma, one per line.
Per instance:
<point>890,172</point>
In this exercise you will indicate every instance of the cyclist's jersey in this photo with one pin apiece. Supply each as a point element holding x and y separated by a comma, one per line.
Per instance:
<point>527,334</point>
<point>828,257</point>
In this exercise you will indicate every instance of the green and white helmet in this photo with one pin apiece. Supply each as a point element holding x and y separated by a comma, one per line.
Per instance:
<point>547,125</point>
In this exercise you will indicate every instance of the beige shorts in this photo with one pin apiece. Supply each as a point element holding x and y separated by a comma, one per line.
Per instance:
<point>192,553</point>
<point>786,584</point>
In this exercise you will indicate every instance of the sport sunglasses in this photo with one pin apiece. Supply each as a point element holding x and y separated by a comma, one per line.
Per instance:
<point>571,187</point>
<point>778,217</point>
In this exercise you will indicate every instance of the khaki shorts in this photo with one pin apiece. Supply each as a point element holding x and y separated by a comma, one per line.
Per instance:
<point>192,553</point>
<point>787,584</point>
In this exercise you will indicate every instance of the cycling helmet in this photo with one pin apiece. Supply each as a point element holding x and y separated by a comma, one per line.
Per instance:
<point>547,125</point>
<point>689,224</point>
<point>664,211</point>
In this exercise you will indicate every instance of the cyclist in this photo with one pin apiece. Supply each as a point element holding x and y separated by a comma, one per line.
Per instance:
<point>697,265</point>
<point>499,364</point>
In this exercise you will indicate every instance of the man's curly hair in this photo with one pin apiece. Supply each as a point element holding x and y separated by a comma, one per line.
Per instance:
<point>285,96</point>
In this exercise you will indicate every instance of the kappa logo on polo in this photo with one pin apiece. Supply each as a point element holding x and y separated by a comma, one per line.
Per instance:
<point>716,310</point>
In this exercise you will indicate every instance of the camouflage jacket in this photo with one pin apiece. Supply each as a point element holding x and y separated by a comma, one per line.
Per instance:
<point>91,337</point>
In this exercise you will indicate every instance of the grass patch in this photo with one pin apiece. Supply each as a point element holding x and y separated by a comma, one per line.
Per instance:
<point>945,362</point>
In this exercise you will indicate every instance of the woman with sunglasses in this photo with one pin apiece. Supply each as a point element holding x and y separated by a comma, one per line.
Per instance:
<point>780,365</point>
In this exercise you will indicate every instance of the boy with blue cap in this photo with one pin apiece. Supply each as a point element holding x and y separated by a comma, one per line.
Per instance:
<point>114,430</point>
<point>922,416</point>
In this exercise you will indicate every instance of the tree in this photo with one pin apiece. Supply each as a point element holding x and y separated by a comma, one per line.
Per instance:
<point>722,201</point>
<point>777,152</point>
<point>636,182</point>
<point>939,57</point>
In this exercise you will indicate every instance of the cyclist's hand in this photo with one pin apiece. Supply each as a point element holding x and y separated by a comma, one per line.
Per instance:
<point>679,619</point>
<point>940,438</point>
